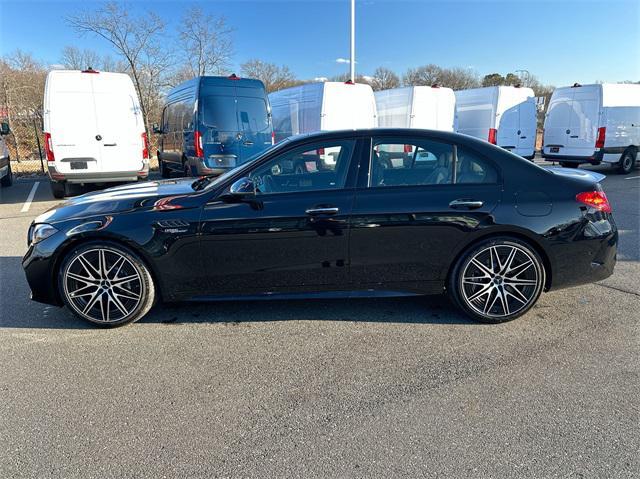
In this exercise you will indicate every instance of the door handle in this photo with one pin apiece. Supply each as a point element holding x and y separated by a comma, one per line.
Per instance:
<point>574,136</point>
<point>110,144</point>
<point>248,143</point>
<point>465,203</point>
<point>329,210</point>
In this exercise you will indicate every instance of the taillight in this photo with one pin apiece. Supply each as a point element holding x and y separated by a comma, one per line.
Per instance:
<point>595,199</point>
<point>145,147</point>
<point>48,147</point>
<point>493,135</point>
<point>197,143</point>
<point>602,132</point>
<point>320,151</point>
<point>273,138</point>
<point>408,149</point>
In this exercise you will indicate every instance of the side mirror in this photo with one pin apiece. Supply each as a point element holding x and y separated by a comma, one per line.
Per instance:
<point>4,128</point>
<point>156,129</point>
<point>243,188</point>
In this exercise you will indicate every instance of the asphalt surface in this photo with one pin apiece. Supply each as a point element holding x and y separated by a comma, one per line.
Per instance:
<point>340,388</point>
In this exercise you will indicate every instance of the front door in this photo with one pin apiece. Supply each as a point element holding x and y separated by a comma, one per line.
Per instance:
<point>410,215</point>
<point>294,235</point>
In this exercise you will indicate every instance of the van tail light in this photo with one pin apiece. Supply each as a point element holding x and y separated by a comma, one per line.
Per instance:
<point>602,132</point>
<point>595,199</point>
<point>273,138</point>
<point>48,147</point>
<point>408,149</point>
<point>197,144</point>
<point>145,147</point>
<point>320,151</point>
<point>493,135</point>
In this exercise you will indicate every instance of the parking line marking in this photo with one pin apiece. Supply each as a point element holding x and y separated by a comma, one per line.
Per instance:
<point>32,193</point>
<point>632,177</point>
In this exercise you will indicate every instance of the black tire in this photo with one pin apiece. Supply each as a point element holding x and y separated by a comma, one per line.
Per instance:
<point>186,170</point>
<point>7,180</point>
<point>145,286</point>
<point>165,172</point>
<point>567,164</point>
<point>502,286</point>
<point>58,189</point>
<point>627,161</point>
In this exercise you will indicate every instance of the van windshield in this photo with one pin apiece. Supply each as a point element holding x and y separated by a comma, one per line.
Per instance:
<point>219,112</point>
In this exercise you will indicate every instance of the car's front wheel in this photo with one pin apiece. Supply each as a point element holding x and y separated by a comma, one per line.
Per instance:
<point>497,280</point>
<point>106,283</point>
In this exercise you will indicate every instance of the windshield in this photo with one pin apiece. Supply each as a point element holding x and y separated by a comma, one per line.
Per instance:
<point>244,166</point>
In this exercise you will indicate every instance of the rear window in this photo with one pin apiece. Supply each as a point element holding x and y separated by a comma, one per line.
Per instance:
<point>219,112</point>
<point>252,114</point>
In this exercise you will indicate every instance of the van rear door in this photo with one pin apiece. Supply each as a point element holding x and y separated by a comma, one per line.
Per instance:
<point>557,122</point>
<point>72,122</point>
<point>527,125</point>
<point>583,124</point>
<point>120,125</point>
<point>508,127</point>
<point>253,119</point>
<point>220,138</point>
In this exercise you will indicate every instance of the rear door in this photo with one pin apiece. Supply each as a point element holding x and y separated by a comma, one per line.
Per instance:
<point>527,123</point>
<point>507,137</point>
<point>73,123</point>
<point>408,217</point>
<point>120,125</point>
<point>583,124</point>
<point>221,137</point>
<point>557,123</point>
<point>255,124</point>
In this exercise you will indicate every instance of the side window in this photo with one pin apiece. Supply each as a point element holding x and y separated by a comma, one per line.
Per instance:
<point>410,162</point>
<point>473,168</point>
<point>321,166</point>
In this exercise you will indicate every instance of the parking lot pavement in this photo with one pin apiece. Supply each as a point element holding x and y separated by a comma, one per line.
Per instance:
<point>349,388</point>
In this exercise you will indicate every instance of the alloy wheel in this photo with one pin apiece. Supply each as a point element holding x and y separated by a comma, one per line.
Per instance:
<point>500,281</point>
<point>103,286</point>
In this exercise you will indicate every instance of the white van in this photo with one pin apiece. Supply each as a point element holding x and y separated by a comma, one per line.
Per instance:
<point>6,176</point>
<point>93,129</point>
<point>502,115</point>
<point>427,107</point>
<point>593,124</point>
<point>323,106</point>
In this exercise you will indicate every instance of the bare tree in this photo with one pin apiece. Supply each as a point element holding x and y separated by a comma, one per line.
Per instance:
<point>135,39</point>
<point>459,78</point>
<point>206,43</point>
<point>75,59</point>
<point>273,76</point>
<point>424,75</point>
<point>384,79</point>
<point>22,81</point>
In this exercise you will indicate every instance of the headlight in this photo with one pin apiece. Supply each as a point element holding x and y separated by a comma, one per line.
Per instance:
<point>40,232</point>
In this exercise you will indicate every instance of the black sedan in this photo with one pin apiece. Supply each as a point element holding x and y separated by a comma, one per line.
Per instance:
<point>350,213</point>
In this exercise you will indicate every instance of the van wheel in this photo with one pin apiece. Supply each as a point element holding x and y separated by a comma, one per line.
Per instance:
<point>566,164</point>
<point>497,280</point>
<point>7,180</point>
<point>58,189</point>
<point>165,172</point>
<point>627,162</point>
<point>106,284</point>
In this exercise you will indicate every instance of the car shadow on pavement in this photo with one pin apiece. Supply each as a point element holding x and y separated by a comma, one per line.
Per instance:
<point>18,311</point>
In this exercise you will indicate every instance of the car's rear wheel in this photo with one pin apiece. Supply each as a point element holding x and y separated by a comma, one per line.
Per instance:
<point>497,280</point>
<point>7,180</point>
<point>106,284</point>
<point>627,162</point>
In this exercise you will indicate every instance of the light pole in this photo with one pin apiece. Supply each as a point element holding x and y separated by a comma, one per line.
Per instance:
<point>353,41</point>
<point>528,77</point>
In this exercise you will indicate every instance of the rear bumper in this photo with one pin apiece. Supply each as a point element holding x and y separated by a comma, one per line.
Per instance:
<point>593,159</point>
<point>98,177</point>
<point>590,257</point>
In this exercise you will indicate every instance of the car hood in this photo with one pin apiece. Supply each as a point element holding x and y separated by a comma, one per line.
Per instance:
<point>576,173</point>
<point>165,194</point>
